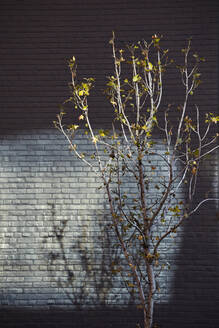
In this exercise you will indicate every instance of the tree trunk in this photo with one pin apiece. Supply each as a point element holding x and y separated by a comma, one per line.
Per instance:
<point>148,314</point>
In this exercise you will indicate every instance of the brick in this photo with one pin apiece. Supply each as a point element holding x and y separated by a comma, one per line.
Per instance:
<point>37,170</point>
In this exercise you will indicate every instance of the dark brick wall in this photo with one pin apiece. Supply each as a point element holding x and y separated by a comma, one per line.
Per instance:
<point>38,37</point>
<point>40,183</point>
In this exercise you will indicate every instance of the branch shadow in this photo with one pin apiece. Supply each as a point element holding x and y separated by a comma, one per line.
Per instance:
<point>86,277</point>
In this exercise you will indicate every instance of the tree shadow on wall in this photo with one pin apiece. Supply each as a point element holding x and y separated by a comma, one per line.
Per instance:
<point>82,270</point>
<point>194,298</point>
<point>73,265</point>
<point>81,262</point>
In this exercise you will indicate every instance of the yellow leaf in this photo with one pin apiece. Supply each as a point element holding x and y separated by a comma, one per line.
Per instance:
<point>102,133</point>
<point>136,78</point>
<point>95,139</point>
<point>150,66</point>
<point>215,119</point>
<point>81,93</point>
<point>73,127</point>
<point>144,127</point>
<point>131,285</point>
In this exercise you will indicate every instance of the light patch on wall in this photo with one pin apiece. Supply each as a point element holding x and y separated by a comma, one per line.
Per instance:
<point>58,250</point>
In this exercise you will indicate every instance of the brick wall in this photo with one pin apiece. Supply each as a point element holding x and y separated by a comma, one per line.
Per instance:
<point>42,185</point>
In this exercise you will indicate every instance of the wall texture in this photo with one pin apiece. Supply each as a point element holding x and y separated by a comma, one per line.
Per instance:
<point>54,247</point>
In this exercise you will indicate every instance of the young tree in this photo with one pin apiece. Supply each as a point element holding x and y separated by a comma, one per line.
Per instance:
<point>143,176</point>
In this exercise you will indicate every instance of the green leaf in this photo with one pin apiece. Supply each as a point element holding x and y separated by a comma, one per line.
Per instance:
<point>196,152</point>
